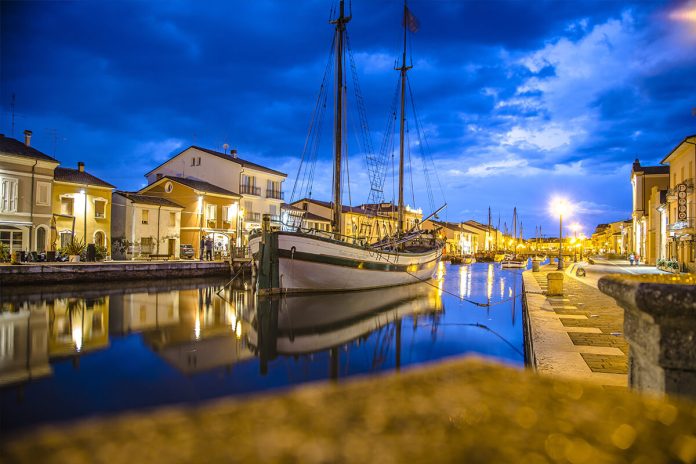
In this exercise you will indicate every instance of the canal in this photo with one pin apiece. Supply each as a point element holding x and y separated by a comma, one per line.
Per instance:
<point>68,353</point>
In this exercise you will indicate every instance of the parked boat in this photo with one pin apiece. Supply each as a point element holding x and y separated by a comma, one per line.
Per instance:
<point>456,260</point>
<point>300,261</point>
<point>514,262</point>
<point>469,259</point>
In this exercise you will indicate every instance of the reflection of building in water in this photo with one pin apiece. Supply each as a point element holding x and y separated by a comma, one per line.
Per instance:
<point>23,342</point>
<point>137,312</point>
<point>77,325</point>
<point>208,333</point>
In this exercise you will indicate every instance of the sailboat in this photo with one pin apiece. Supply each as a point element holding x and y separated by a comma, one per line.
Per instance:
<point>304,261</point>
<point>514,261</point>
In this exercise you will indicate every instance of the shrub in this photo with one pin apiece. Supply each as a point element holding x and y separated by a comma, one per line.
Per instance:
<point>100,252</point>
<point>661,262</point>
<point>4,253</point>
<point>673,264</point>
<point>74,247</point>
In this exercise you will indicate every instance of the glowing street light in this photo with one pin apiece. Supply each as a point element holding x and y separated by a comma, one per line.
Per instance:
<point>560,207</point>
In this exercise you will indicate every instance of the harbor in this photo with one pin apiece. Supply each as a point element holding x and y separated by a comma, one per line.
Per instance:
<point>347,232</point>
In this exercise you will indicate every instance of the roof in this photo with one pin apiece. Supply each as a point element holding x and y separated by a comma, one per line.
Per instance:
<point>75,176</point>
<point>345,209</point>
<point>202,186</point>
<point>649,169</point>
<point>15,147</point>
<point>226,157</point>
<point>147,199</point>
<point>315,217</point>
<point>476,224</point>
<point>686,140</point>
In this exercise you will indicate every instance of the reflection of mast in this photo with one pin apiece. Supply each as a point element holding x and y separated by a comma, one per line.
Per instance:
<point>267,320</point>
<point>398,345</point>
<point>333,363</point>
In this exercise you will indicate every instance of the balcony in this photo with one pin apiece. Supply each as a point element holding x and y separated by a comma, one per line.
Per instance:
<point>252,217</point>
<point>277,194</point>
<point>682,227</point>
<point>250,190</point>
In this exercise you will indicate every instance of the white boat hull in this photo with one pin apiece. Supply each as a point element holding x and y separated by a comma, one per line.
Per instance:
<point>306,263</point>
<point>513,264</point>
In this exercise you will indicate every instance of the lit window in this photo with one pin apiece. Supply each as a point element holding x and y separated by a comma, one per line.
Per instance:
<point>145,216</point>
<point>99,208</point>
<point>210,211</point>
<point>66,205</point>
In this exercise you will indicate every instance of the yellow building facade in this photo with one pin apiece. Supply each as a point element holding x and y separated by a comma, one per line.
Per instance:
<point>81,206</point>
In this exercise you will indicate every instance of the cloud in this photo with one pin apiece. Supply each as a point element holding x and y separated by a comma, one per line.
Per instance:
<point>158,150</point>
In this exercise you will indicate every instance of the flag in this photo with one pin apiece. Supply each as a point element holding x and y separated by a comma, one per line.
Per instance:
<point>410,21</point>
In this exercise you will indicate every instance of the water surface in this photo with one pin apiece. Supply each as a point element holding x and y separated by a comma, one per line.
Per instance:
<point>68,352</point>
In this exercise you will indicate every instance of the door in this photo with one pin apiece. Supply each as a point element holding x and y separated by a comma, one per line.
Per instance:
<point>172,247</point>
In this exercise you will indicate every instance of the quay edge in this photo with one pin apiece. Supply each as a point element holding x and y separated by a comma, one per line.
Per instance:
<point>53,273</point>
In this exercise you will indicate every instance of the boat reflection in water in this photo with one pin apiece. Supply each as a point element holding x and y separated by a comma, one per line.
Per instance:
<point>301,325</point>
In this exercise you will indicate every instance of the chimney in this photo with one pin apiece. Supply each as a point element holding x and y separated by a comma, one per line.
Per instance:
<point>233,153</point>
<point>27,138</point>
<point>81,166</point>
<point>636,165</point>
<point>159,175</point>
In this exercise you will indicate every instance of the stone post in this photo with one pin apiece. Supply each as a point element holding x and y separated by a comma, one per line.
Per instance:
<point>660,327</point>
<point>555,284</point>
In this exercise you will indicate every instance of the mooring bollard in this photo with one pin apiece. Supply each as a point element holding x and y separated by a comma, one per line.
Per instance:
<point>555,283</point>
<point>535,265</point>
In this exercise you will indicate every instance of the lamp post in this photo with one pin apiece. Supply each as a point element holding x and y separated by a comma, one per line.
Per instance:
<point>560,206</point>
<point>84,218</point>
<point>575,227</point>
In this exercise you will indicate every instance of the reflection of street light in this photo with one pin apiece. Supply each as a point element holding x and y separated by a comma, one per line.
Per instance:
<point>559,207</point>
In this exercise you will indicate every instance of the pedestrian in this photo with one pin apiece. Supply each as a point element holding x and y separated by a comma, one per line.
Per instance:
<point>202,248</point>
<point>637,260</point>
<point>631,258</point>
<point>208,249</point>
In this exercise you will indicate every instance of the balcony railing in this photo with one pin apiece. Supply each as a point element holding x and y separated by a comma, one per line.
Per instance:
<point>252,217</point>
<point>277,194</point>
<point>682,227</point>
<point>250,190</point>
<point>275,218</point>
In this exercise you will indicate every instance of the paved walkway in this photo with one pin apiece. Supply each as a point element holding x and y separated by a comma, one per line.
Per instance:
<point>578,335</point>
<point>603,266</point>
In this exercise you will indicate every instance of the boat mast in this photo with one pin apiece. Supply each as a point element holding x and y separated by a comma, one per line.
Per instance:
<point>514,230</point>
<point>488,245</point>
<point>340,23</point>
<point>403,69</point>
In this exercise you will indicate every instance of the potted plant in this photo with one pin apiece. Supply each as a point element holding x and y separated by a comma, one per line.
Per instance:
<point>4,253</point>
<point>74,248</point>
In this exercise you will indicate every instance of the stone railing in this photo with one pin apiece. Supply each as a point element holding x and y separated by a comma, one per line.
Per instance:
<point>660,327</point>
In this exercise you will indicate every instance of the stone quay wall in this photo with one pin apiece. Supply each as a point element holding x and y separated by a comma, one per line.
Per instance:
<point>55,273</point>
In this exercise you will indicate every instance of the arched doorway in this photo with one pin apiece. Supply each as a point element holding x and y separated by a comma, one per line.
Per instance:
<point>41,236</point>
<point>99,238</point>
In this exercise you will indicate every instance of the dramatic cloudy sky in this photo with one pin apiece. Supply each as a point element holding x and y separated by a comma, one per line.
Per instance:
<point>519,101</point>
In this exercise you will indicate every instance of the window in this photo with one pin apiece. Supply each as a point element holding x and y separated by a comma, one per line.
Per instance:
<point>196,161</point>
<point>210,211</point>
<point>274,210</point>
<point>145,216</point>
<point>43,193</point>
<point>168,187</point>
<point>65,238</point>
<point>146,244</point>
<point>99,208</point>
<point>99,238</point>
<point>66,205</point>
<point>172,218</point>
<point>8,195</point>
<point>11,239</point>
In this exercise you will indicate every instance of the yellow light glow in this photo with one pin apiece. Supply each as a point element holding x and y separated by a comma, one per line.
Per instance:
<point>560,207</point>
<point>685,14</point>
<point>238,330</point>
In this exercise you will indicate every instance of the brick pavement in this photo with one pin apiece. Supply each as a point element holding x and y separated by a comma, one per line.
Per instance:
<point>593,323</point>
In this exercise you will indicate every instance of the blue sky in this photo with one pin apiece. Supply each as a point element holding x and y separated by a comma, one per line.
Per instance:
<point>519,101</point>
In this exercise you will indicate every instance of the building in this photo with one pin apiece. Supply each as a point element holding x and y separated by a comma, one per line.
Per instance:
<point>26,183</point>
<point>260,188</point>
<point>657,225</point>
<point>459,240</point>
<point>81,208</point>
<point>208,211</point>
<point>486,238</point>
<point>144,225</point>
<point>681,229</point>
<point>643,179</point>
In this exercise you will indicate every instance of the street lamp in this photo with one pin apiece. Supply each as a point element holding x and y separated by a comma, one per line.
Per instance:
<point>575,227</point>
<point>559,207</point>
<point>84,201</point>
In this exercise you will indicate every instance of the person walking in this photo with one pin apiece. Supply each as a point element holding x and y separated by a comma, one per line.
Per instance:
<point>631,258</point>
<point>208,249</point>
